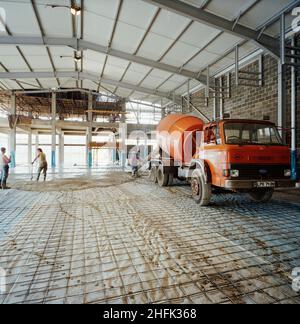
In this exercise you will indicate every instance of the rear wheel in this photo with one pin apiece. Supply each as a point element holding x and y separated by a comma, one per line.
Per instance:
<point>171,179</point>
<point>162,178</point>
<point>201,191</point>
<point>262,195</point>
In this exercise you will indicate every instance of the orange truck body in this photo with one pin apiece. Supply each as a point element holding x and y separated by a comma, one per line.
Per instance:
<point>174,136</point>
<point>253,162</point>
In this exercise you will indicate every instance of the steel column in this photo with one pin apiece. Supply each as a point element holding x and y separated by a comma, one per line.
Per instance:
<point>29,147</point>
<point>281,119</point>
<point>189,96</point>
<point>61,149</point>
<point>221,84</point>
<point>13,131</point>
<point>123,147</point>
<point>53,130</point>
<point>89,131</point>
<point>207,88</point>
<point>293,116</point>
<point>282,39</point>
<point>215,101</point>
<point>37,142</point>
<point>237,68</point>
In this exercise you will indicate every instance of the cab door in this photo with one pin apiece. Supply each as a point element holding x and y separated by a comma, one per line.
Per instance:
<point>213,152</point>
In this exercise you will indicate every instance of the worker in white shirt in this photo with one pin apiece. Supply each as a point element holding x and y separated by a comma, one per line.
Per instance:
<point>135,162</point>
<point>4,167</point>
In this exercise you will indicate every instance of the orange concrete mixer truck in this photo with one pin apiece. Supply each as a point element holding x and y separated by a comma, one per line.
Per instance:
<point>235,155</point>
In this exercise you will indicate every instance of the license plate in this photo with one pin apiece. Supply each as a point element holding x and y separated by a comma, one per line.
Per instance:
<point>265,184</point>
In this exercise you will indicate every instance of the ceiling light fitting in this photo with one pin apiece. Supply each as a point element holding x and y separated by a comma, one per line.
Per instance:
<point>75,10</point>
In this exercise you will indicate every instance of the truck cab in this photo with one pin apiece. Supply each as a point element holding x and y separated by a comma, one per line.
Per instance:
<point>245,156</point>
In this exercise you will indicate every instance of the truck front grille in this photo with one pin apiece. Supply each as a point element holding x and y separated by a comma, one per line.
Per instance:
<point>248,171</point>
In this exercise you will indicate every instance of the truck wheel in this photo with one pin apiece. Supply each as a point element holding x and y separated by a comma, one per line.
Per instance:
<point>262,195</point>
<point>171,180</point>
<point>201,191</point>
<point>153,174</point>
<point>162,178</point>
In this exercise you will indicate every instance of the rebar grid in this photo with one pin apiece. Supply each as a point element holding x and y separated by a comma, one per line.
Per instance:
<point>137,243</point>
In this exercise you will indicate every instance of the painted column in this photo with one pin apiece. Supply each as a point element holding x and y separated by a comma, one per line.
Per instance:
<point>13,132</point>
<point>53,131</point>
<point>61,149</point>
<point>293,117</point>
<point>215,100</point>
<point>163,112</point>
<point>89,131</point>
<point>123,147</point>
<point>114,150</point>
<point>189,96</point>
<point>123,136</point>
<point>29,147</point>
<point>221,85</point>
<point>281,118</point>
<point>163,109</point>
<point>37,142</point>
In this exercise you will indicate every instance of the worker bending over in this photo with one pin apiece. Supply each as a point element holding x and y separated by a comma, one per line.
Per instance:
<point>43,165</point>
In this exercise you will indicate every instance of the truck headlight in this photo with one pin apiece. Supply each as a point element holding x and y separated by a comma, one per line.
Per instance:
<point>226,173</point>
<point>234,173</point>
<point>287,173</point>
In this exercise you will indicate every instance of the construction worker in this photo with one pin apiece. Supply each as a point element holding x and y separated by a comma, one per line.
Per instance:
<point>4,167</point>
<point>135,161</point>
<point>43,165</point>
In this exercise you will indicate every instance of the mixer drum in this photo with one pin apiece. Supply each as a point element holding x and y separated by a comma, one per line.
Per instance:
<point>177,136</point>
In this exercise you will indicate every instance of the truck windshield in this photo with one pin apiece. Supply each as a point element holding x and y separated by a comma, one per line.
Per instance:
<point>251,134</point>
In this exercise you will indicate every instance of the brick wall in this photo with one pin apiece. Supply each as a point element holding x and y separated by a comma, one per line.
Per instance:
<point>253,102</point>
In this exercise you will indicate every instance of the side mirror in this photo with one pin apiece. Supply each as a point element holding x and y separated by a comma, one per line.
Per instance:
<point>206,137</point>
<point>210,136</point>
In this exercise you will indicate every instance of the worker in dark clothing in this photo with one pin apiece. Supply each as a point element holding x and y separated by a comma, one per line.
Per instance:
<point>43,165</point>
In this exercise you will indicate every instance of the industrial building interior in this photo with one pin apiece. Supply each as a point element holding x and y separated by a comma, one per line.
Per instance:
<point>88,82</point>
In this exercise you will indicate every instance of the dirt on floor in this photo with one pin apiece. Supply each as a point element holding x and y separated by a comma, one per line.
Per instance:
<point>112,179</point>
<point>289,195</point>
<point>73,184</point>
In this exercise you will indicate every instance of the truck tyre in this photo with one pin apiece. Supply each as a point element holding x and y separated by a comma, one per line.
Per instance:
<point>171,180</point>
<point>153,174</point>
<point>162,178</point>
<point>262,195</point>
<point>201,191</point>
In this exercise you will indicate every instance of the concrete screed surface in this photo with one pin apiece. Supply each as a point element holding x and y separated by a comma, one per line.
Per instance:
<point>112,239</point>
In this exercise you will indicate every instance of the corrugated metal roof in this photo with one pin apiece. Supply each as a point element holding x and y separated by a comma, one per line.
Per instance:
<point>133,27</point>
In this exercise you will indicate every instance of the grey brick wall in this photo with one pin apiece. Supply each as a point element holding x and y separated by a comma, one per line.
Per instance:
<point>253,102</point>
